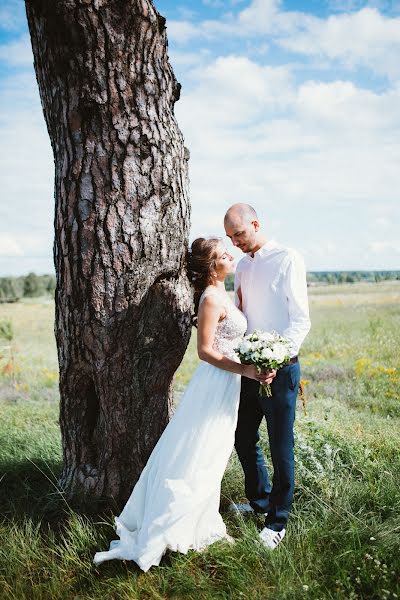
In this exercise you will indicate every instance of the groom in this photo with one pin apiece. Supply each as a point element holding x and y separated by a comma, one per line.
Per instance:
<point>271,290</point>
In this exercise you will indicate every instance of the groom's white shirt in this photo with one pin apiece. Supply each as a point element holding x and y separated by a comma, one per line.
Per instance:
<point>274,292</point>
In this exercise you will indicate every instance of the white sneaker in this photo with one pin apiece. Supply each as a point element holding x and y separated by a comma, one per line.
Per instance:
<point>240,508</point>
<point>271,538</point>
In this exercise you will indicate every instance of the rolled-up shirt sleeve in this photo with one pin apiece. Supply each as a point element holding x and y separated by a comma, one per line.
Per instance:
<point>297,299</point>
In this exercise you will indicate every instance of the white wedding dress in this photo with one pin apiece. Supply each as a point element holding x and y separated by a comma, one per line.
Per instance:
<point>175,503</point>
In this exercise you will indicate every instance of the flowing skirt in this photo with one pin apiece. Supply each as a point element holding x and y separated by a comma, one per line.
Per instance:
<point>175,503</point>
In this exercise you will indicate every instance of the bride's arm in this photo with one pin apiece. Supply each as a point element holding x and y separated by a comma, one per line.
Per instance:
<point>210,312</point>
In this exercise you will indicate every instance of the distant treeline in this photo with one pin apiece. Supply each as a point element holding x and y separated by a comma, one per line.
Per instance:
<point>332,277</point>
<point>32,285</point>
<point>26,286</point>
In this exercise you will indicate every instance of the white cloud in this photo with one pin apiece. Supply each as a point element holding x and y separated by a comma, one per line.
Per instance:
<point>12,15</point>
<point>258,16</point>
<point>385,247</point>
<point>18,91</point>
<point>346,5</point>
<point>352,5</point>
<point>181,31</point>
<point>26,177</point>
<point>238,90</point>
<point>186,13</point>
<point>341,103</point>
<point>383,222</point>
<point>9,246</point>
<point>322,155</point>
<point>365,38</point>
<point>188,59</point>
<point>213,3</point>
<point>17,53</point>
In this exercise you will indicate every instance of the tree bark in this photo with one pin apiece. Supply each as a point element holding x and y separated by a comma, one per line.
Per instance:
<point>123,300</point>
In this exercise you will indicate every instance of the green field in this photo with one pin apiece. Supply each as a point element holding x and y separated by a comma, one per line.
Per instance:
<point>344,535</point>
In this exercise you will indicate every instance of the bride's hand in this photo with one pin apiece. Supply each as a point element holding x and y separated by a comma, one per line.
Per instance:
<point>250,372</point>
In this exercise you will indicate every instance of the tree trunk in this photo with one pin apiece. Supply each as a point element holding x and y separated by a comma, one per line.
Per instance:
<point>121,231</point>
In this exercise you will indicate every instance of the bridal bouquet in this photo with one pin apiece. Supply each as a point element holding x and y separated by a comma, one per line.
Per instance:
<point>265,351</point>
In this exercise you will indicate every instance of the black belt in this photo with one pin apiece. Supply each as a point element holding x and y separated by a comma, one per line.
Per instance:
<point>293,360</point>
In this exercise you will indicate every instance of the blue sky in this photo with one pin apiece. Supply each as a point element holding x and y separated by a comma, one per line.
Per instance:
<point>291,106</point>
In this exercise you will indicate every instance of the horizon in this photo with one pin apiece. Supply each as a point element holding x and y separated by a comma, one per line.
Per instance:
<point>328,271</point>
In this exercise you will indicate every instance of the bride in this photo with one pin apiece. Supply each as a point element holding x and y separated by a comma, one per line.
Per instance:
<point>175,503</point>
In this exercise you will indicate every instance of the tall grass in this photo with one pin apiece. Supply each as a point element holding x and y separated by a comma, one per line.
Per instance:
<point>343,538</point>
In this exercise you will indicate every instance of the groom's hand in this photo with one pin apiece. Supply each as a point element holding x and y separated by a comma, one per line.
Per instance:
<point>266,376</point>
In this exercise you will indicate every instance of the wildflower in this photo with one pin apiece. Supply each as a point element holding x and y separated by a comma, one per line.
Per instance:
<point>328,450</point>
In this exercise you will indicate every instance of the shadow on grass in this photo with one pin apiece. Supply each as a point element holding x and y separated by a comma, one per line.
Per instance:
<point>29,489</point>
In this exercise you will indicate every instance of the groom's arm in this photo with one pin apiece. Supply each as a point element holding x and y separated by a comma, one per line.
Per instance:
<point>239,295</point>
<point>238,289</point>
<point>297,299</point>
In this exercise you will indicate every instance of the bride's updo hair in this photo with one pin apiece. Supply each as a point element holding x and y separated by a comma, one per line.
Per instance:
<point>200,265</point>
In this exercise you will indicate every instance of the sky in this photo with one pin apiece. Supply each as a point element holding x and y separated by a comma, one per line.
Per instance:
<point>291,106</point>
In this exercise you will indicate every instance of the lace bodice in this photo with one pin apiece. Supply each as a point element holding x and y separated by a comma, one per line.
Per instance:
<point>231,329</point>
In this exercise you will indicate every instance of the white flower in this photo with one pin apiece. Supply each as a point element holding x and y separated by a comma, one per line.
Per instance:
<point>267,353</point>
<point>267,337</point>
<point>245,347</point>
<point>279,352</point>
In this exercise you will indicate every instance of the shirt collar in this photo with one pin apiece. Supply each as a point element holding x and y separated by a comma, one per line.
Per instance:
<point>269,245</point>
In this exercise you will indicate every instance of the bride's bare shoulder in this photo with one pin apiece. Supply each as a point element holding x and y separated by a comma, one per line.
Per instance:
<point>210,299</point>
<point>211,302</point>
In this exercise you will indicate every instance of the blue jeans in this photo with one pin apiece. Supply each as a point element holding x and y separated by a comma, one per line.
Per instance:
<point>279,412</point>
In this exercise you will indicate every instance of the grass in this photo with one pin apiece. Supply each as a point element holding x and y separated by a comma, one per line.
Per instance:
<point>343,541</point>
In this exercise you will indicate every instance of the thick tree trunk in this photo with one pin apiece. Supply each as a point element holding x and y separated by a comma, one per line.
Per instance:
<point>121,230</point>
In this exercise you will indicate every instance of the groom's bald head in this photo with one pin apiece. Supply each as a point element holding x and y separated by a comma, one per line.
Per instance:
<point>242,226</point>
<point>240,213</point>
